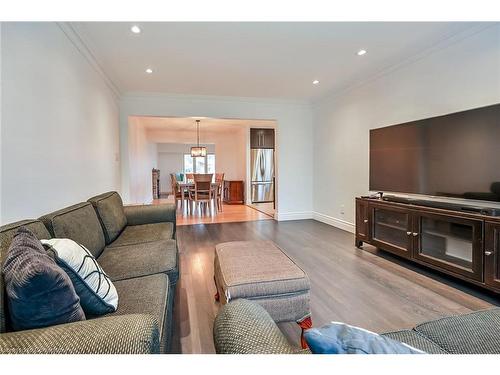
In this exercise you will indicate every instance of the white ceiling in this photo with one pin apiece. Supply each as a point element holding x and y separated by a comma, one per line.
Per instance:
<point>279,59</point>
<point>188,124</point>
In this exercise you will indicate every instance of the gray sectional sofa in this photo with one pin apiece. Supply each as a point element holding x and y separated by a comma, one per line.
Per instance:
<point>244,327</point>
<point>136,246</point>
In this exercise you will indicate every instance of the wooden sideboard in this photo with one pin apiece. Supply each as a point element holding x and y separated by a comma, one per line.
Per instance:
<point>234,192</point>
<point>459,243</point>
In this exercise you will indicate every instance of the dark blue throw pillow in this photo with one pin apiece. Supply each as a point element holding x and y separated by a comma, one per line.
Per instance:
<point>341,338</point>
<point>39,292</point>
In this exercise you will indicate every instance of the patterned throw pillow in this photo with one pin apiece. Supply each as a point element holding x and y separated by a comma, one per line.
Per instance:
<point>97,293</point>
<point>341,338</point>
<point>39,292</point>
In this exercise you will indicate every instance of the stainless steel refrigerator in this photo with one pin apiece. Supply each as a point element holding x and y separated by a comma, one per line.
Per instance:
<point>262,168</point>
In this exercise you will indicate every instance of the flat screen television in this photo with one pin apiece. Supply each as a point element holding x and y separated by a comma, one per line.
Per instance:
<point>455,155</point>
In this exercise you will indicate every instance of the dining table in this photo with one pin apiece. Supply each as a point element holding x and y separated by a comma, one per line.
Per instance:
<point>186,185</point>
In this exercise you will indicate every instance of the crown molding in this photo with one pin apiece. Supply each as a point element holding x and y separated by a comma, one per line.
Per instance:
<point>211,98</point>
<point>81,44</point>
<point>438,46</point>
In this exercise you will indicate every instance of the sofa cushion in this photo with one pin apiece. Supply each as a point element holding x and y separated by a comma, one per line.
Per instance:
<point>416,340</point>
<point>7,233</point>
<point>124,262</point>
<point>40,293</point>
<point>145,295</point>
<point>474,333</point>
<point>109,207</point>
<point>151,213</point>
<point>96,291</point>
<point>135,234</point>
<point>78,223</point>
<point>124,334</point>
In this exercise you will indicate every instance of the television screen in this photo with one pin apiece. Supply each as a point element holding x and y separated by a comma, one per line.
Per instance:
<point>456,155</point>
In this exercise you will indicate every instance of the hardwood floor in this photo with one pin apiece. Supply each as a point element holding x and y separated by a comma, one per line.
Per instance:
<point>367,288</point>
<point>230,213</point>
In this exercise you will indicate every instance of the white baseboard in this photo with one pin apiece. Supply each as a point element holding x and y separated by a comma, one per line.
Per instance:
<point>293,216</point>
<point>338,223</point>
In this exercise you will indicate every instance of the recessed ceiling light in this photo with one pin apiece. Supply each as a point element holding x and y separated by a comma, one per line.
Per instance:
<point>361,52</point>
<point>149,70</point>
<point>135,29</point>
<point>315,82</point>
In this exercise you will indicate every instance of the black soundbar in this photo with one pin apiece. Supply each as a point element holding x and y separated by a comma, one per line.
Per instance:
<point>487,211</point>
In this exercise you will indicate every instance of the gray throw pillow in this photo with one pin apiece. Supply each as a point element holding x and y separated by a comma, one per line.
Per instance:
<point>39,292</point>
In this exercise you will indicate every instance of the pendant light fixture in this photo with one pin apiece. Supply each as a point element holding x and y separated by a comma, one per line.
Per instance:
<point>198,151</point>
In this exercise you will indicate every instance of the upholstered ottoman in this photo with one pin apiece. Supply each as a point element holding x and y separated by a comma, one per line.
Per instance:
<point>260,271</point>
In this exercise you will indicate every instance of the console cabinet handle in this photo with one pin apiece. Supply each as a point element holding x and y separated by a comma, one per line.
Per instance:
<point>408,233</point>
<point>415,234</point>
<point>488,252</point>
<point>365,221</point>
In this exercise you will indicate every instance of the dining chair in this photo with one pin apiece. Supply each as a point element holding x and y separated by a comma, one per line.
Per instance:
<point>202,191</point>
<point>219,179</point>
<point>177,192</point>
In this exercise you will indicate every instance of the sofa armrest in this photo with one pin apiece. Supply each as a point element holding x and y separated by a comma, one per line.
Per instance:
<point>149,214</point>
<point>245,327</point>
<point>124,334</point>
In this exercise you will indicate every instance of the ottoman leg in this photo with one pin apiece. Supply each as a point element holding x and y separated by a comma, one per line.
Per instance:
<point>216,296</point>
<point>304,324</point>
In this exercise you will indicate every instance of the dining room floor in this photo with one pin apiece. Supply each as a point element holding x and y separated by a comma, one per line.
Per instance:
<point>230,213</point>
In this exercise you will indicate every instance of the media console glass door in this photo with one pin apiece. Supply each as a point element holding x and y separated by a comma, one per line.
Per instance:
<point>492,254</point>
<point>391,229</point>
<point>453,243</point>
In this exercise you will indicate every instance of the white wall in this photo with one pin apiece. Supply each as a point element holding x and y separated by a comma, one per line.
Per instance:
<point>231,155</point>
<point>462,75</point>
<point>294,138</point>
<point>142,158</point>
<point>60,140</point>
<point>169,162</point>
